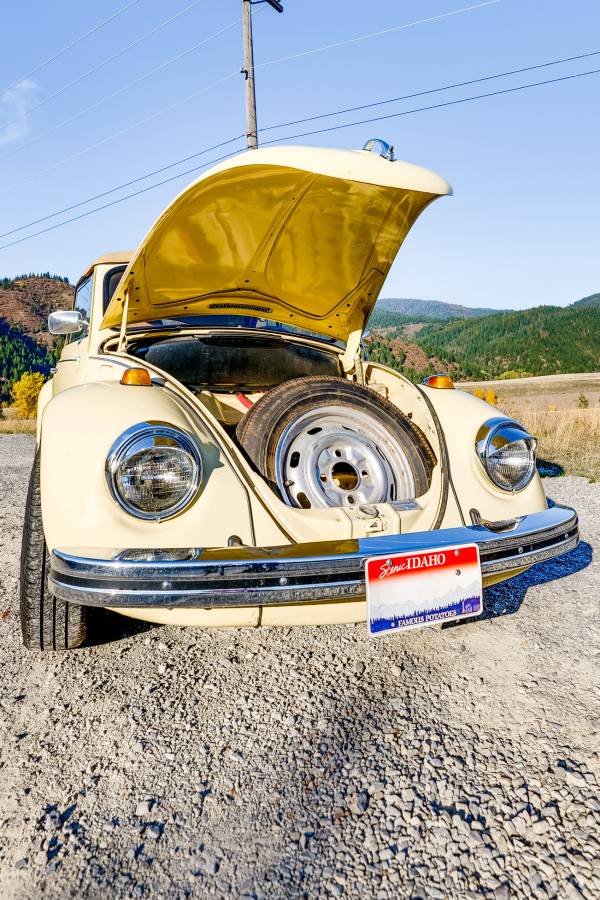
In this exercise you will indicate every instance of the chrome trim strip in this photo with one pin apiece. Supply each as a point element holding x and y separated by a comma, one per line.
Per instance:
<point>282,575</point>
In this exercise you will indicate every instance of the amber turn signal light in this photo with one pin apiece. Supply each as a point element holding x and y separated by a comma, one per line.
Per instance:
<point>439,381</point>
<point>136,376</point>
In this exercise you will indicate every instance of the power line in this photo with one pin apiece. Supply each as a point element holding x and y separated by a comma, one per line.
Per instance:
<point>89,212</point>
<point>116,93</point>
<point>70,46</point>
<point>372,34</point>
<point>103,63</point>
<point>447,87</point>
<point>410,112</point>
<point>121,187</point>
<point>271,62</point>
<point>337,112</point>
<point>306,134</point>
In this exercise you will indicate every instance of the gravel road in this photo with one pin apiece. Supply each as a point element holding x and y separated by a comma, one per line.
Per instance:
<point>454,762</point>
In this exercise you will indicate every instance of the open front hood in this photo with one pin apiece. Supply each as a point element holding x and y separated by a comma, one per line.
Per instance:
<point>295,235</point>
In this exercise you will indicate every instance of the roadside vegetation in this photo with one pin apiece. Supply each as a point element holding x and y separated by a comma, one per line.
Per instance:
<point>569,438</point>
<point>19,353</point>
<point>12,423</point>
<point>21,416</point>
<point>563,414</point>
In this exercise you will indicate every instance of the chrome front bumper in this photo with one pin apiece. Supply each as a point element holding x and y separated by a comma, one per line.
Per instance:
<point>297,573</point>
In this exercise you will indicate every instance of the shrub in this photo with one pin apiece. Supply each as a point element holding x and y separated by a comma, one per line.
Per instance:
<point>490,397</point>
<point>514,373</point>
<point>25,393</point>
<point>506,376</point>
<point>479,392</point>
<point>583,402</point>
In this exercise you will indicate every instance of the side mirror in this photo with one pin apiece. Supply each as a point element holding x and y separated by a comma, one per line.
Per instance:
<point>66,321</point>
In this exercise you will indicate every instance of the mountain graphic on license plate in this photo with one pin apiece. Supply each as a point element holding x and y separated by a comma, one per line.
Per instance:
<point>412,589</point>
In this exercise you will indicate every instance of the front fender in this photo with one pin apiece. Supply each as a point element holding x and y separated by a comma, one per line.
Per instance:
<point>43,400</point>
<point>461,415</point>
<point>78,428</point>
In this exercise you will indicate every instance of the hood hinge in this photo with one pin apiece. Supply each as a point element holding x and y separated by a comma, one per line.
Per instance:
<point>352,361</point>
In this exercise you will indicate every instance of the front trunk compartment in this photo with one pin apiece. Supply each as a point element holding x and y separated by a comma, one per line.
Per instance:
<point>229,370</point>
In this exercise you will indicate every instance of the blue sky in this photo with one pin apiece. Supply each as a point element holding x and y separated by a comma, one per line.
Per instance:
<point>521,229</point>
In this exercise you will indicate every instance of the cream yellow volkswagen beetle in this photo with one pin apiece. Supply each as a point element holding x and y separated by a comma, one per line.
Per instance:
<point>214,448</point>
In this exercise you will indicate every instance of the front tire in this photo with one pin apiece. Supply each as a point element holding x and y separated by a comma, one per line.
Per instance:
<point>47,623</point>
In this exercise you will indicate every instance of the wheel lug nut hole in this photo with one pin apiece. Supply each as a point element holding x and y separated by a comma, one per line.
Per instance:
<point>338,452</point>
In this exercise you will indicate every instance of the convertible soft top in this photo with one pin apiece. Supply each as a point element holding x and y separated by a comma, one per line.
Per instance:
<point>295,235</point>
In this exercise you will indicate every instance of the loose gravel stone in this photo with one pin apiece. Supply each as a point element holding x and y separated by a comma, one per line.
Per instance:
<point>446,762</point>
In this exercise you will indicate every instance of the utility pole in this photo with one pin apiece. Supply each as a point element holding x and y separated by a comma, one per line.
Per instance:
<point>248,69</point>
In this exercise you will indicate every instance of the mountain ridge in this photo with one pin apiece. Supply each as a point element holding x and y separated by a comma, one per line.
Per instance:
<point>419,310</point>
<point>432,309</point>
<point>592,300</point>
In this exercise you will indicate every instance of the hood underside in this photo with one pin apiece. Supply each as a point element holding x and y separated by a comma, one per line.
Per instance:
<point>293,235</point>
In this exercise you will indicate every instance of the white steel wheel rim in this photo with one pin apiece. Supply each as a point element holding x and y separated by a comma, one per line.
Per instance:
<point>333,456</point>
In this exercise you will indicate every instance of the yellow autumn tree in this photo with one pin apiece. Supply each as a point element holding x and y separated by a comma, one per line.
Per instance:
<point>479,392</point>
<point>490,397</point>
<point>25,393</point>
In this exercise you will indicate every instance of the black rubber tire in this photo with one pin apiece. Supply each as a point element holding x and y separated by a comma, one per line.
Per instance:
<point>259,431</point>
<point>47,623</point>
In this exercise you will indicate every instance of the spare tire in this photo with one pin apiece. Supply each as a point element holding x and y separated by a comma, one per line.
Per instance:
<point>324,441</point>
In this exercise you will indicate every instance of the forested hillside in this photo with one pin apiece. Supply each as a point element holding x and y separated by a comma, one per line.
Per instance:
<point>27,301</point>
<point>19,353</point>
<point>26,345</point>
<point>545,340</point>
<point>541,341</point>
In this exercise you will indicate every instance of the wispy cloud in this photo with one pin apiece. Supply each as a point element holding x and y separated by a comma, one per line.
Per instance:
<point>14,104</point>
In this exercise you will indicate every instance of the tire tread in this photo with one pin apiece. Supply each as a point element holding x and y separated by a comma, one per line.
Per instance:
<point>47,623</point>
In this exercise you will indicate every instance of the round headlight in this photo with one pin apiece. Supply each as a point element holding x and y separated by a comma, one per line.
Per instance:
<point>153,471</point>
<point>507,453</point>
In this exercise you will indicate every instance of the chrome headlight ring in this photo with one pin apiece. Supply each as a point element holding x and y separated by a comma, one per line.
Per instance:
<point>158,464</point>
<point>506,451</point>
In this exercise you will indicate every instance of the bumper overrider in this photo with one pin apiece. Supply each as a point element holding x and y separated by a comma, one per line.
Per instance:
<point>297,573</point>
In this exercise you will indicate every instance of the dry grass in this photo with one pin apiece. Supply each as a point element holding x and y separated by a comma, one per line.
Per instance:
<point>570,438</point>
<point>10,423</point>
<point>562,411</point>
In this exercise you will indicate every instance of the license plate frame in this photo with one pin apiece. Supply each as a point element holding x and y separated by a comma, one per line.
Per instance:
<point>416,588</point>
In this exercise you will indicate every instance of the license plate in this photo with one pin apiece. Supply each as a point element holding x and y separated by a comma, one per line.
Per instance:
<point>413,589</point>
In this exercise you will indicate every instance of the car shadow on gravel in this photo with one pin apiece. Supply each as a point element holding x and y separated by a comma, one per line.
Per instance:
<point>506,598</point>
<point>548,469</point>
<point>109,627</point>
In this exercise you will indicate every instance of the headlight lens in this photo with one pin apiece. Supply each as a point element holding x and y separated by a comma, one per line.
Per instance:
<point>507,453</point>
<point>153,471</point>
